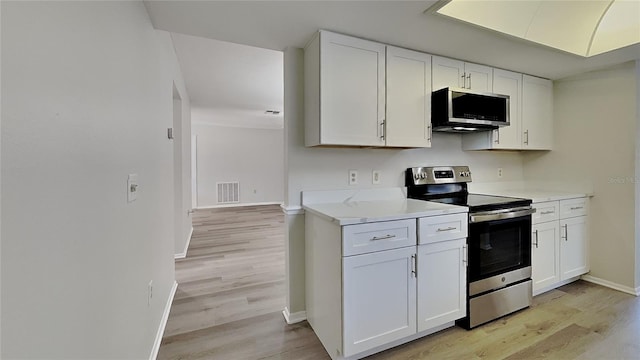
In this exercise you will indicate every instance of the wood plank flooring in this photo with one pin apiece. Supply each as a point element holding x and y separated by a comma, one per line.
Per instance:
<point>231,294</point>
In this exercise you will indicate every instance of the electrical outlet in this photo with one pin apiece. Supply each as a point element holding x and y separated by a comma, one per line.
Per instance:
<point>149,292</point>
<point>375,177</point>
<point>499,172</point>
<point>353,177</point>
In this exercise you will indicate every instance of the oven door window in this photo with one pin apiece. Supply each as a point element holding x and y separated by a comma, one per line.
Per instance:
<point>496,247</point>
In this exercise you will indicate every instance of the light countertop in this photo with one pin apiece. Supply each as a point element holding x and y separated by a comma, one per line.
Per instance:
<point>536,195</point>
<point>358,212</point>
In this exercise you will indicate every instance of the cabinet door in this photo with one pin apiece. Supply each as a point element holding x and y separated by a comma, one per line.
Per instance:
<point>379,298</point>
<point>545,255</point>
<point>352,90</point>
<point>408,122</point>
<point>573,247</point>
<point>508,83</point>
<point>442,283</point>
<point>537,113</point>
<point>447,73</point>
<point>478,77</point>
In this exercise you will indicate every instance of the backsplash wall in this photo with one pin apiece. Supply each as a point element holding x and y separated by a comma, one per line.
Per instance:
<point>328,168</point>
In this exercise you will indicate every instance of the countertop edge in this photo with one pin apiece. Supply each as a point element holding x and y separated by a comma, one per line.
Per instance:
<point>343,221</point>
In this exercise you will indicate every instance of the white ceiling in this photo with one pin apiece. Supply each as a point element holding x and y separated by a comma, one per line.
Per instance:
<point>233,79</point>
<point>231,84</point>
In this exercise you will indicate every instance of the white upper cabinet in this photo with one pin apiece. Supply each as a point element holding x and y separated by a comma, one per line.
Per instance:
<point>344,91</point>
<point>509,83</point>
<point>537,113</point>
<point>347,101</point>
<point>506,137</point>
<point>530,115</point>
<point>408,122</point>
<point>455,73</point>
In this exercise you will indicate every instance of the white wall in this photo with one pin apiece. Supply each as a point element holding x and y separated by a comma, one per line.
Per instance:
<point>596,135</point>
<point>182,148</point>
<point>86,100</point>
<point>637,187</point>
<point>254,157</point>
<point>327,168</point>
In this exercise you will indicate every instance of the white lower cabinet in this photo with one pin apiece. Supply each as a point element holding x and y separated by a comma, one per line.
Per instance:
<point>442,283</point>
<point>379,296</point>
<point>573,247</point>
<point>560,243</point>
<point>371,286</point>
<point>545,256</point>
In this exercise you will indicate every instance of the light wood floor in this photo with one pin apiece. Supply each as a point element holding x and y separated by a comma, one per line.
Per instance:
<point>231,294</point>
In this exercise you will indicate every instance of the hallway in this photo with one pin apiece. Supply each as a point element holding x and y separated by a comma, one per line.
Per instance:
<point>231,290</point>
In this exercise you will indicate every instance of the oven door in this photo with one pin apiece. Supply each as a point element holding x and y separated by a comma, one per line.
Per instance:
<point>499,243</point>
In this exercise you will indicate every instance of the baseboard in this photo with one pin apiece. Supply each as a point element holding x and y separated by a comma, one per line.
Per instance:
<point>236,205</point>
<point>612,285</point>
<point>295,317</point>
<point>163,322</point>
<point>183,254</point>
<point>292,210</point>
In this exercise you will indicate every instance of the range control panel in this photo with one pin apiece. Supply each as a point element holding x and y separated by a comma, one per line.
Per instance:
<point>438,175</point>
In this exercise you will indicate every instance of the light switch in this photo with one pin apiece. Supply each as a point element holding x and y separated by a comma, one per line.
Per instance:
<point>132,187</point>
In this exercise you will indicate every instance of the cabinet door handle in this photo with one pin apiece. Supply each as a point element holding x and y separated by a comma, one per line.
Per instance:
<point>429,133</point>
<point>469,77</point>
<point>566,233</point>
<point>389,236</point>
<point>577,207</point>
<point>382,129</point>
<point>526,137</point>
<point>446,229</point>
<point>414,266</point>
<point>547,212</point>
<point>464,80</point>
<point>497,140</point>
<point>536,233</point>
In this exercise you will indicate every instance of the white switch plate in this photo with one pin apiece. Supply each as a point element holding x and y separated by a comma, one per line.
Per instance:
<point>353,177</point>
<point>375,177</point>
<point>132,187</point>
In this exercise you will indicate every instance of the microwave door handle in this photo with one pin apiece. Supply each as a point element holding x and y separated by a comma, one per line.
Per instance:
<point>491,216</point>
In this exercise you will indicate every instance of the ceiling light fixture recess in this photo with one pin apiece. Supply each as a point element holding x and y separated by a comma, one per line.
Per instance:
<point>580,27</point>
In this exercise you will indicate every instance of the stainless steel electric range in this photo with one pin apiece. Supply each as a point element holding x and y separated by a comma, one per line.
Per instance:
<point>499,242</point>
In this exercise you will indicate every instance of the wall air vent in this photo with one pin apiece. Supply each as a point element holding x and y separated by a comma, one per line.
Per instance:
<point>228,192</point>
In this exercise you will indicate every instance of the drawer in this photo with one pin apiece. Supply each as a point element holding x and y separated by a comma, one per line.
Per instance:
<point>377,236</point>
<point>545,211</point>
<point>444,227</point>
<point>573,207</point>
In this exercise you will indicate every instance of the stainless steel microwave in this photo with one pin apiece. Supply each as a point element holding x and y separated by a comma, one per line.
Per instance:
<point>462,110</point>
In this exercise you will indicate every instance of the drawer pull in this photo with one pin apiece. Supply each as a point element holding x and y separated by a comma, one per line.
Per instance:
<point>446,229</point>
<point>382,237</point>
<point>577,207</point>
<point>547,212</point>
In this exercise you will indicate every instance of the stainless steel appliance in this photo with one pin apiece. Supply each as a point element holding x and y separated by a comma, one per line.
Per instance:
<point>463,110</point>
<point>499,241</point>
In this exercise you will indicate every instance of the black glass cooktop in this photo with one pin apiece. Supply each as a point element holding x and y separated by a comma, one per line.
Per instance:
<point>478,202</point>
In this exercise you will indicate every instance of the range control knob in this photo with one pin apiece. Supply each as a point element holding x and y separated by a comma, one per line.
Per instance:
<point>424,175</point>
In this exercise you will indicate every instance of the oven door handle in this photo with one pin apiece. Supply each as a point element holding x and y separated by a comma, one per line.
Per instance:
<point>488,216</point>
